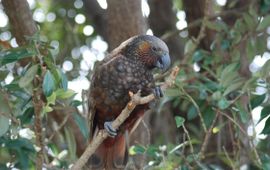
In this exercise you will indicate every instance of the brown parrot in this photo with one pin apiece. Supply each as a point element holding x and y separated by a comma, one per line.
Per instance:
<point>129,67</point>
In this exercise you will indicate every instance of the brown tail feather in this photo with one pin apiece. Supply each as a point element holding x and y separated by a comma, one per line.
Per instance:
<point>110,155</point>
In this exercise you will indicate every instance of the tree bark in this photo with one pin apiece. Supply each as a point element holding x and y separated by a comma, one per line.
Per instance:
<point>124,20</point>
<point>98,17</point>
<point>162,19</point>
<point>20,18</point>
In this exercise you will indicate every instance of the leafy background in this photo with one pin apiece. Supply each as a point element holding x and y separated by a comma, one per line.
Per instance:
<point>215,117</point>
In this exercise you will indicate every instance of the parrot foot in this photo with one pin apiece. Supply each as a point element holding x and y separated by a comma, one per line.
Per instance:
<point>108,127</point>
<point>158,92</point>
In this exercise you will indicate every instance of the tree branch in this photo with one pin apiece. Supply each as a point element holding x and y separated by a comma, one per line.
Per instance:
<point>136,99</point>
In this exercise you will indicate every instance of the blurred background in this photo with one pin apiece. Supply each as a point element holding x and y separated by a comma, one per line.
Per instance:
<point>215,117</point>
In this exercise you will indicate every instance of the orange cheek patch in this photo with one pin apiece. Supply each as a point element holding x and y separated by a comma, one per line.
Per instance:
<point>144,47</point>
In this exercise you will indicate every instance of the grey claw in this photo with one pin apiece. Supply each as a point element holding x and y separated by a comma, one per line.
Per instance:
<point>111,131</point>
<point>158,92</point>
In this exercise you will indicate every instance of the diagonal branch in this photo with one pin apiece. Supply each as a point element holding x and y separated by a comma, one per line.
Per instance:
<point>136,99</point>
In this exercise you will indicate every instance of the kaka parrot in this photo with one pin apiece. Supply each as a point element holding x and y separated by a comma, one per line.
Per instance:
<point>127,68</point>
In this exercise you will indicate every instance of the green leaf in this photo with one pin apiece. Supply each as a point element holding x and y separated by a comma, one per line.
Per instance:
<point>28,77</point>
<point>172,92</point>
<point>82,124</point>
<point>48,85</point>
<point>76,103</point>
<point>71,143</point>
<point>136,149</point>
<point>264,23</point>
<point>249,20</point>
<point>265,112</point>
<point>192,113</point>
<point>179,121</point>
<point>64,81</point>
<point>208,116</point>
<point>4,125</point>
<point>64,94</point>
<point>51,99</point>
<point>257,100</point>
<point>228,74</point>
<point>14,55</point>
<point>27,116</point>
<point>47,109</point>
<point>189,46</point>
<point>223,103</point>
<point>197,56</point>
<point>225,44</point>
<point>3,74</point>
<point>243,114</point>
<point>266,129</point>
<point>5,109</point>
<point>234,86</point>
<point>151,151</point>
<point>214,25</point>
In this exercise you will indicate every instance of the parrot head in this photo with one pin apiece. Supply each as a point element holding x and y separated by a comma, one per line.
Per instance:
<point>149,50</point>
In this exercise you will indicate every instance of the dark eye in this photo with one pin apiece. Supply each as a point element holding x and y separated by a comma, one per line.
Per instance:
<point>154,49</point>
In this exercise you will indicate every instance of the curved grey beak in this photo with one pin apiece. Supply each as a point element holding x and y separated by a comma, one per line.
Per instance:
<point>164,62</point>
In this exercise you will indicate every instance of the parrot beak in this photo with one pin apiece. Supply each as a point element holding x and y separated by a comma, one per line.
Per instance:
<point>164,62</point>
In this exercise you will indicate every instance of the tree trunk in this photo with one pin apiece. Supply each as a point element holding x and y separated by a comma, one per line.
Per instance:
<point>124,20</point>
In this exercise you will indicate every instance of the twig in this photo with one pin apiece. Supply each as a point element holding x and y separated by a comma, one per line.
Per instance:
<point>59,128</point>
<point>38,108</point>
<point>200,20</point>
<point>38,105</point>
<point>191,146</point>
<point>197,108</point>
<point>231,119</point>
<point>136,99</point>
<point>229,159</point>
<point>207,137</point>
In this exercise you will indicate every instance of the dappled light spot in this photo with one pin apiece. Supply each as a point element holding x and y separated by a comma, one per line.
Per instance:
<point>196,67</point>
<point>9,78</point>
<point>50,17</point>
<point>75,53</point>
<point>71,13</point>
<point>3,19</point>
<point>78,4</point>
<point>149,32</point>
<point>39,15</point>
<point>4,36</point>
<point>32,4</point>
<point>103,4</point>
<point>99,44</point>
<point>145,8</point>
<point>88,30</point>
<point>67,65</point>
<point>221,2</point>
<point>13,42</point>
<point>258,62</point>
<point>80,19</point>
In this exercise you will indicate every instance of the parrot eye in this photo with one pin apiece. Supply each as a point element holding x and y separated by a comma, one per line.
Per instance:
<point>154,49</point>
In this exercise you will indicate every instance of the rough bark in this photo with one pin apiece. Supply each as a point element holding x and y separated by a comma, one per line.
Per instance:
<point>20,18</point>
<point>124,20</point>
<point>162,19</point>
<point>195,12</point>
<point>98,17</point>
<point>21,22</point>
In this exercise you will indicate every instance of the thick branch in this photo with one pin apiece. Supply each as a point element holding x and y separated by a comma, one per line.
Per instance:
<point>20,18</point>
<point>136,99</point>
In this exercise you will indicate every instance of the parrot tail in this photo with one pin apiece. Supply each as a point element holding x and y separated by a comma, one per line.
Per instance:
<point>111,154</point>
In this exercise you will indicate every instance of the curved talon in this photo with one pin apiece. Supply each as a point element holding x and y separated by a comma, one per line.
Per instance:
<point>158,92</point>
<point>111,131</point>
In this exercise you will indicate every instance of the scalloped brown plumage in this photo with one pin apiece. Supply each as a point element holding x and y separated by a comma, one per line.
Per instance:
<point>127,68</point>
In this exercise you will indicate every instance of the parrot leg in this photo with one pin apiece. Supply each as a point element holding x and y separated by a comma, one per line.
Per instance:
<point>158,92</point>
<point>108,126</point>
